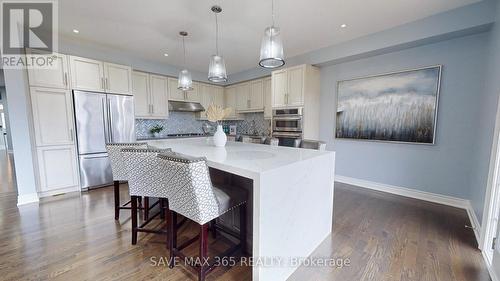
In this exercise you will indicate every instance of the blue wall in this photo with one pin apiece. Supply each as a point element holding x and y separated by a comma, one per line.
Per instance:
<point>486,125</point>
<point>444,168</point>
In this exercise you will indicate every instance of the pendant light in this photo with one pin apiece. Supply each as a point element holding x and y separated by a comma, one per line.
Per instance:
<point>271,48</point>
<point>185,82</point>
<point>217,67</point>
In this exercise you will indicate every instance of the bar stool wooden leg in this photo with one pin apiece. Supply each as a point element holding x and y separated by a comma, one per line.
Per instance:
<point>202,270</point>
<point>172,236</point>
<point>243,228</point>
<point>116,186</point>
<point>133,200</point>
<point>162,208</point>
<point>146,208</point>
<point>213,228</point>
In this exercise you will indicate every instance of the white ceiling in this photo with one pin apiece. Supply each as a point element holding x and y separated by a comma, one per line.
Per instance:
<point>148,29</point>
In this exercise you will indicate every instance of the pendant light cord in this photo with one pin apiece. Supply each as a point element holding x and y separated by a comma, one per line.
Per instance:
<point>272,11</point>
<point>216,35</point>
<point>184,48</point>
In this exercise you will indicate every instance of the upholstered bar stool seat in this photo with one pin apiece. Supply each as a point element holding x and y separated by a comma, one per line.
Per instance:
<point>229,197</point>
<point>120,174</point>
<point>192,195</point>
<point>145,179</point>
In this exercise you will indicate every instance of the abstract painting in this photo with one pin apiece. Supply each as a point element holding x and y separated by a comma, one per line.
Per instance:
<point>397,107</point>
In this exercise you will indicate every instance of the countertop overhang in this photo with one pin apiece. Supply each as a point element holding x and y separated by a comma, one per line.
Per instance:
<point>244,159</point>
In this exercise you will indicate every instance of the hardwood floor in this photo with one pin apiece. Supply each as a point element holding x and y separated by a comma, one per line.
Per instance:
<point>388,237</point>
<point>7,176</point>
<point>385,237</point>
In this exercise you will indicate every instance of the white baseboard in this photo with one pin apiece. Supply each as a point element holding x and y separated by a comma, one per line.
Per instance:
<point>58,191</point>
<point>417,194</point>
<point>27,199</point>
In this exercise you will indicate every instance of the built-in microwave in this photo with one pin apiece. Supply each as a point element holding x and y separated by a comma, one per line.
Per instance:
<point>287,126</point>
<point>287,120</point>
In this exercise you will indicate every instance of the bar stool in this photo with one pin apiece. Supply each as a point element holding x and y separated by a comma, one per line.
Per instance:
<point>145,179</point>
<point>120,174</point>
<point>310,144</point>
<point>192,195</point>
<point>271,141</point>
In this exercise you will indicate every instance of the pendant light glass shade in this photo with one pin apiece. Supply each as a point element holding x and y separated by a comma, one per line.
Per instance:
<point>271,49</point>
<point>185,82</point>
<point>217,67</point>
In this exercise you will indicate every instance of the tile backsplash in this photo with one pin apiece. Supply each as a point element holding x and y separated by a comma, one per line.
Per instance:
<point>186,122</point>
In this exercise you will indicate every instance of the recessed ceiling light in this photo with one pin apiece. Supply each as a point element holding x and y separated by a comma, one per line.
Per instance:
<point>76,31</point>
<point>343,25</point>
<point>165,54</point>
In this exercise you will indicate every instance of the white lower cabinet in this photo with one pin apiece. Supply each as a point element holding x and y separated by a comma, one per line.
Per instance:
<point>58,169</point>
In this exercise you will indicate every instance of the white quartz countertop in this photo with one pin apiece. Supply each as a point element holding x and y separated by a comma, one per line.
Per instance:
<point>244,159</point>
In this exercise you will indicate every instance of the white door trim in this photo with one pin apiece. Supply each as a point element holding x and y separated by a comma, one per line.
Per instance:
<point>491,195</point>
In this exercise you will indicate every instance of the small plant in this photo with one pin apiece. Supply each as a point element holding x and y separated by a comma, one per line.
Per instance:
<point>156,129</point>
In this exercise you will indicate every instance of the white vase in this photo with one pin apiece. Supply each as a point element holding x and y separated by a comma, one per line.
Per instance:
<point>220,137</point>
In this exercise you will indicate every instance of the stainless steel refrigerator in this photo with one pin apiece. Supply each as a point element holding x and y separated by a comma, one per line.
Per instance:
<point>101,118</point>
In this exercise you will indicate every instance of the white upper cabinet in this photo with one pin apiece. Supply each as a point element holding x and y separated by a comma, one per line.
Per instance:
<point>209,94</point>
<point>219,96</point>
<point>94,75</point>
<point>289,85</point>
<point>159,96</point>
<point>179,95</point>
<point>117,78</point>
<point>268,107</point>
<point>279,88</point>
<point>230,101</point>
<point>54,77</point>
<point>205,99</point>
<point>295,94</point>
<point>150,95</point>
<point>140,89</point>
<point>249,96</point>
<point>193,95</point>
<point>242,96</point>
<point>173,92</point>
<point>52,116</point>
<point>256,97</point>
<point>87,74</point>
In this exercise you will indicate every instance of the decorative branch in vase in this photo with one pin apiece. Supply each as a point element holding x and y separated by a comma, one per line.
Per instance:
<point>216,114</point>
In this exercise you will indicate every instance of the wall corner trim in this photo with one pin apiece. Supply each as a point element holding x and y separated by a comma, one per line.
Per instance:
<point>27,199</point>
<point>417,194</point>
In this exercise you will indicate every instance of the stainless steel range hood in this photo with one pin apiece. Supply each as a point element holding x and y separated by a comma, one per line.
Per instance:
<point>185,106</point>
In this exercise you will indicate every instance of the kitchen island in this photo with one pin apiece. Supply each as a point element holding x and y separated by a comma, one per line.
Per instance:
<point>292,194</point>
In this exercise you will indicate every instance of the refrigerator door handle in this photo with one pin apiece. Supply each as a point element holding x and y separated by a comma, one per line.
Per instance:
<point>105,119</point>
<point>110,121</point>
